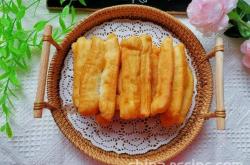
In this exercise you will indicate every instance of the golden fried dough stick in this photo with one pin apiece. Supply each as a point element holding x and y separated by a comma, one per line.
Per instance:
<point>90,78</point>
<point>109,78</point>
<point>102,121</point>
<point>119,86</point>
<point>76,76</point>
<point>145,76</point>
<point>154,68</point>
<point>188,95</point>
<point>80,49</point>
<point>168,120</point>
<point>130,75</point>
<point>180,67</point>
<point>162,98</point>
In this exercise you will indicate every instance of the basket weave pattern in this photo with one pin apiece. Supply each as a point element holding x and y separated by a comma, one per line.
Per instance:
<point>202,70</point>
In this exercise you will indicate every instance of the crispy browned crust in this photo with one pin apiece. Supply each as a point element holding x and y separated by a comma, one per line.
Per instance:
<point>178,82</point>
<point>162,98</point>
<point>188,95</point>
<point>79,57</point>
<point>130,75</point>
<point>119,86</point>
<point>109,78</point>
<point>145,76</point>
<point>178,85</point>
<point>76,77</point>
<point>154,68</point>
<point>91,73</point>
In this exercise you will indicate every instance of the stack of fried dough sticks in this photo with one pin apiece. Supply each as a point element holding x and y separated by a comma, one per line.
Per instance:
<point>133,78</point>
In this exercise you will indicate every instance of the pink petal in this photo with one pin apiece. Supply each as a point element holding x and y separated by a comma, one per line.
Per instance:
<point>245,47</point>
<point>229,5</point>
<point>208,12</point>
<point>223,23</point>
<point>207,15</point>
<point>246,61</point>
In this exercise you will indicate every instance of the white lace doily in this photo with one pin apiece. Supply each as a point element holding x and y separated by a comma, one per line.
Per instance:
<point>131,137</point>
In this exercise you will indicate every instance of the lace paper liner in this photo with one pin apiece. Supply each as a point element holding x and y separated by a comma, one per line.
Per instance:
<point>130,137</point>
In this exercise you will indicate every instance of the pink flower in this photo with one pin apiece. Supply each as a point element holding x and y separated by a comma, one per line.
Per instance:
<point>246,61</point>
<point>245,49</point>
<point>210,16</point>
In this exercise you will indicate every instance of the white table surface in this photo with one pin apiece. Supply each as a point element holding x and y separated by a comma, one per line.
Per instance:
<point>40,142</point>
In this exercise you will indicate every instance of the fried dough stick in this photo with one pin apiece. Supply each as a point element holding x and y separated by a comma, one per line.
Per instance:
<point>119,86</point>
<point>177,93</point>
<point>154,58</point>
<point>188,95</point>
<point>90,78</point>
<point>109,78</point>
<point>130,78</point>
<point>162,98</point>
<point>80,49</point>
<point>187,101</point>
<point>145,76</point>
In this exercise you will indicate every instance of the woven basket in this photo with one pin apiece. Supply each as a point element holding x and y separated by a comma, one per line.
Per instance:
<point>200,64</point>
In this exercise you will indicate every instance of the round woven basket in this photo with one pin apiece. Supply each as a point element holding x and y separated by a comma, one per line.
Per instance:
<point>202,71</point>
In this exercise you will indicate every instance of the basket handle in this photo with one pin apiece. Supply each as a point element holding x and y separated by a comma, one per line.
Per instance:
<point>39,103</point>
<point>219,78</point>
<point>219,113</point>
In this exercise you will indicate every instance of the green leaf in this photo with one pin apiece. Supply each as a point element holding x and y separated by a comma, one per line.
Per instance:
<point>233,15</point>
<point>14,7</point>
<point>55,33</point>
<point>244,29</point>
<point>23,47</point>
<point>19,25</point>
<point>4,75</point>
<point>83,2</point>
<point>34,40</point>
<point>2,128</point>
<point>61,1</point>
<point>5,22</point>
<point>12,93</point>
<point>246,17</point>
<point>3,99</point>
<point>11,104</point>
<point>19,64</point>
<point>7,8</point>
<point>245,7</point>
<point>12,49</point>
<point>73,14</point>
<point>19,2</point>
<point>21,35</point>
<point>28,53</point>
<point>40,25</point>
<point>65,11</point>
<point>8,130</point>
<point>67,30</point>
<point>6,110</point>
<point>3,52</point>
<point>13,79</point>
<point>1,7</point>
<point>62,23</point>
<point>4,66</point>
<point>20,14</point>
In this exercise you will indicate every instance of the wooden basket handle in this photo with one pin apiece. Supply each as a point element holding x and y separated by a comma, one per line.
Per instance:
<point>219,113</point>
<point>219,87</point>
<point>39,103</point>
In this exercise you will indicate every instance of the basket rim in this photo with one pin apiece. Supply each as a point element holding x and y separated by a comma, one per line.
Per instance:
<point>162,153</point>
